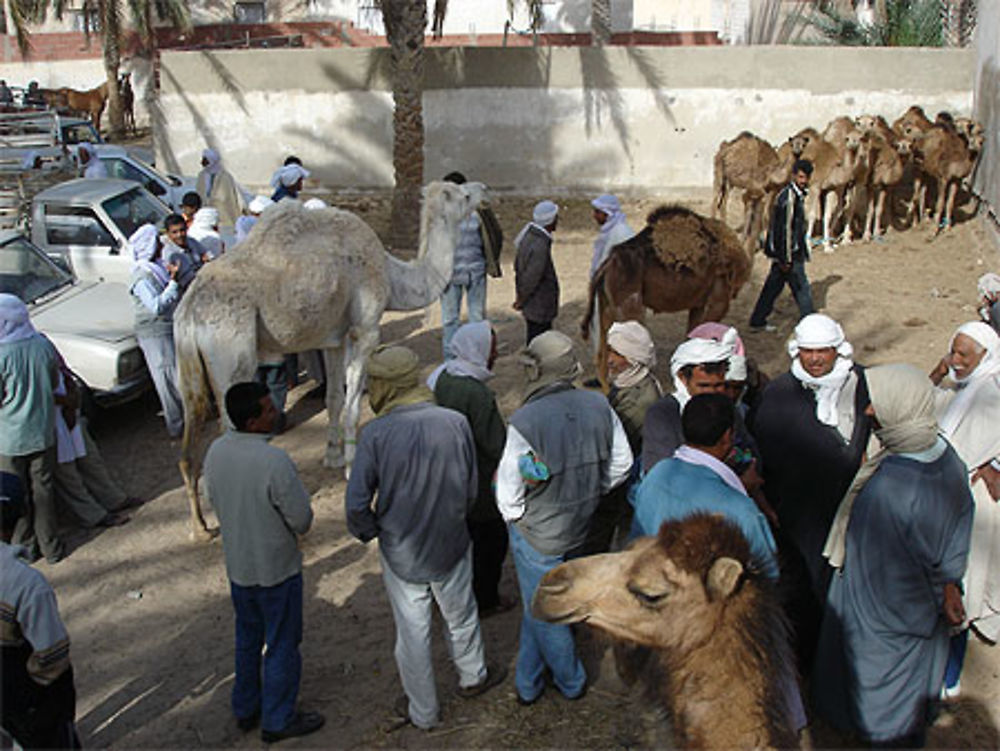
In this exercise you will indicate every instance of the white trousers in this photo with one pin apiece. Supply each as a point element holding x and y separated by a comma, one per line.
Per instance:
<point>411,609</point>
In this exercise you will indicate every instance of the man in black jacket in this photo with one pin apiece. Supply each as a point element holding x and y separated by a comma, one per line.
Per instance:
<point>788,248</point>
<point>535,281</point>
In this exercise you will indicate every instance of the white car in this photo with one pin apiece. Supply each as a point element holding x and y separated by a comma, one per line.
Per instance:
<point>90,323</point>
<point>123,165</point>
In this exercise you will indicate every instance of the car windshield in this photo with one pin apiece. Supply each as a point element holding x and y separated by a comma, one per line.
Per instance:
<point>80,133</point>
<point>27,273</point>
<point>134,208</point>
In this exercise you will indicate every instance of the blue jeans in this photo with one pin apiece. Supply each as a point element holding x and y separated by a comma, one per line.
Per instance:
<point>776,280</point>
<point>271,616</point>
<point>542,644</point>
<point>451,307</point>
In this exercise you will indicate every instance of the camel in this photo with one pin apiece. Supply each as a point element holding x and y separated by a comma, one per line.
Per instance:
<point>693,595</point>
<point>305,279</point>
<point>948,157</point>
<point>90,103</point>
<point>745,162</point>
<point>835,169</point>
<point>912,123</point>
<point>888,163</point>
<point>679,261</point>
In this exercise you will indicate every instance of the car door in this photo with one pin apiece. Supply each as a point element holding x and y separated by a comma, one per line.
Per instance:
<point>76,233</point>
<point>124,169</point>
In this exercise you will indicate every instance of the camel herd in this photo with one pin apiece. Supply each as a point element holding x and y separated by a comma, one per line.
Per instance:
<point>857,163</point>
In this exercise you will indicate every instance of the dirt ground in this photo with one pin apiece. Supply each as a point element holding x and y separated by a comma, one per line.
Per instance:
<point>149,612</point>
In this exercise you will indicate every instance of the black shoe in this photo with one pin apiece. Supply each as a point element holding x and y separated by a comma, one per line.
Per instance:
<point>528,702</point>
<point>303,723</point>
<point>494,677</point>
<point>248,723</point>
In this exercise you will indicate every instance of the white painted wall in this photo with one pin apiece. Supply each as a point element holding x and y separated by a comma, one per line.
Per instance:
<point>987,109</point>
<point>623,118</point>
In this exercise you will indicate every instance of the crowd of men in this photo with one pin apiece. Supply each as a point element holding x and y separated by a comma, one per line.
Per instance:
<point>868,495</point>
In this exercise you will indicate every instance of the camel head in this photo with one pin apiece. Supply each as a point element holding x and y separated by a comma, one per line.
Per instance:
<point>904,147</point>
<point>445,206</point>
<point>968,127</point>
<point>666,592</point>
<point>853,139</point>
<point>801,140</point>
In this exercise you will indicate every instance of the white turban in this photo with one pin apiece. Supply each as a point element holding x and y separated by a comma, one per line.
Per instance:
<point>737,370</point>
<point>15,321</point>
<point>289,175</point>
<point>983,335</point>
<point>214,161</point>
<point>142,245</point>
<point>315,203</point>
<point>699,352</point>
<point>205,218</point>
<point>632,340</point>
<point>203,229</point>
<point>817,331</point>
<point>989,284</point>
<point>259,203</point>
<point>607,203</point>
<point>544,213</point>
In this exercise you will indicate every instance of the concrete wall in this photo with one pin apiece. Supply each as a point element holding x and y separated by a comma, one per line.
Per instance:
<point>534,118</point>
<point>987,111</point>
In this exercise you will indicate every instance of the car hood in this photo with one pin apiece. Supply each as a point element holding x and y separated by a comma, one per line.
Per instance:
<point>96,310</point>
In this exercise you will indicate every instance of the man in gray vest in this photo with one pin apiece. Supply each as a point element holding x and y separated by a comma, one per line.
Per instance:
<point>565,448</point>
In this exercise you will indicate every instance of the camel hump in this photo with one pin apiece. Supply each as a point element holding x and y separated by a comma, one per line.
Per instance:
<point>681,238</point>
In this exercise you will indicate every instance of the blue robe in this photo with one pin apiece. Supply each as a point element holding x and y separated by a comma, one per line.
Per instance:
<point>675,489</point>
<point>884,643</point>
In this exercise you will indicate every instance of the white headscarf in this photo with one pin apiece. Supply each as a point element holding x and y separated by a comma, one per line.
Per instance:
<point>988,369</point>
<point>699,352</point>
<point>610,205</point>
<point>314,204</point>
<point>988,284</point>
<point>214,160</point>
<point>259,203</point>
<point>203,229</point>
<point>542,216</point>
<point>632,340</point>
<point>142,245</point>
<point>737,370</point>
<point>470,347</point>
<point>15,321</point>
<point>94,168</point>
<point>289,175</point>
<point>817,331</point>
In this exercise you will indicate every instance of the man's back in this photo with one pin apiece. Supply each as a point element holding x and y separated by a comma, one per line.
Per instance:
<point>421,460</point>
<point>675,489</point>
<point>262,506</point>
<point>26,401</point>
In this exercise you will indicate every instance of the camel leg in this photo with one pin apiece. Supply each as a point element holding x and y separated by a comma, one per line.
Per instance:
<point>949,209</point>
<point>334,359</point>
<point>357,354</point>
<point>939,206</point>
<point>605,317</point>
<point>716,305</point>
<point>870,218</point>
<point>829,206</point>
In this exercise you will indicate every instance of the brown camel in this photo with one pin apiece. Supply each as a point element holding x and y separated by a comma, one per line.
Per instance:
<point>679,261</point>
<point>912,123</point>
<point>947,157</point>
<point>835,168</point>
<point>692,594</point>
<point>746,162</point>
<point>889,157</point>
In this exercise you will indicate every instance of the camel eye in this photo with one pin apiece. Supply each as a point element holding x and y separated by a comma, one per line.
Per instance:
<point>646,599</point>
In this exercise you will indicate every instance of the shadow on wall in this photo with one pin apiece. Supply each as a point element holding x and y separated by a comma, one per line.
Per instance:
<point>987,177</point>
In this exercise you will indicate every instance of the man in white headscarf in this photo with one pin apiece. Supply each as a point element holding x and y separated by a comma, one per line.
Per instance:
<point>204,230</point>
<point>219,189</point>
<point>989,296</point>
<point>900,545</point>
<point>969,413</point>
<point>28,375</point>
<point>613,225</point>
<point>565,448</point>
<point>460,384</point>
<point>246,222</point>
<point>287,181</point>
<point>812,431</point>
<point>535,280</point>
<point>634,388</point>
<point>698,366</point>
<point>93,168</point>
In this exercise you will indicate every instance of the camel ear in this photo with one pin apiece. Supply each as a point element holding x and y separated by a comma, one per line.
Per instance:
<point>723,577</point>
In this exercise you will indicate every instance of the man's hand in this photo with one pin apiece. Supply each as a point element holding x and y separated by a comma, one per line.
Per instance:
<point>952,608</point>
<point>516,305</point>
<point>173,269</point>
<point>991,477</point>
<point>940,371</point>
<point>784,266</point>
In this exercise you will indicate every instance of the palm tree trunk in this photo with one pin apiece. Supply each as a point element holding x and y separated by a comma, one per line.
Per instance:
<point>111,43</point>
<point>600,22</point>
<point>405,21</point>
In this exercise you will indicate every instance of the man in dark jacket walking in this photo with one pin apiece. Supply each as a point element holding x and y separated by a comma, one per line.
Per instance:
<point>534,273</point>
<point>788,248</point>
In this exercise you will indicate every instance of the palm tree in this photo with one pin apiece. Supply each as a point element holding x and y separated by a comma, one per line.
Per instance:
<point>110,25</point>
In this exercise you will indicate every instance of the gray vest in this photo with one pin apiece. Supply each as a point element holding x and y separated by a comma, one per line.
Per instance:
<point>571,431</point>
<point>147,323</point>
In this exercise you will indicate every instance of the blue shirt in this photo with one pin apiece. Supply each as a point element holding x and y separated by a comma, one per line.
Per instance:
<point>675,489</point>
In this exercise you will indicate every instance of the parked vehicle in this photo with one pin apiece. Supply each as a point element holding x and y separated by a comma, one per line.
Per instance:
<point>50,133</point>
<point>123,165</point>
<point>90,322</point>
<point>85,224</point>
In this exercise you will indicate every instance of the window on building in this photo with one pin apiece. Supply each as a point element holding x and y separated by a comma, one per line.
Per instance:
<point>249,12</point>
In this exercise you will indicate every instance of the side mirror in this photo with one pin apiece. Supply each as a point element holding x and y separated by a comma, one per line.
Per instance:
<point>155,188</point>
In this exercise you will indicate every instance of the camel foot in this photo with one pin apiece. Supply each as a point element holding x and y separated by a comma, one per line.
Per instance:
<point>334,460</point>
<point>204,534</point>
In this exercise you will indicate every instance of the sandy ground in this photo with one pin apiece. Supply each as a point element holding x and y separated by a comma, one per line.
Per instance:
<point>149,612</point>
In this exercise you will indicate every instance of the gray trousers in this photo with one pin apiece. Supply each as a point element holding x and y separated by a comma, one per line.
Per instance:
<point>411,609</point>
<point>85,485</point>
<point>39,527</point>
<point>161,359</point>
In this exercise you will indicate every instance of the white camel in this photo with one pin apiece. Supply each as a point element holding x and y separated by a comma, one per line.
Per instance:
<point>305,280</point>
